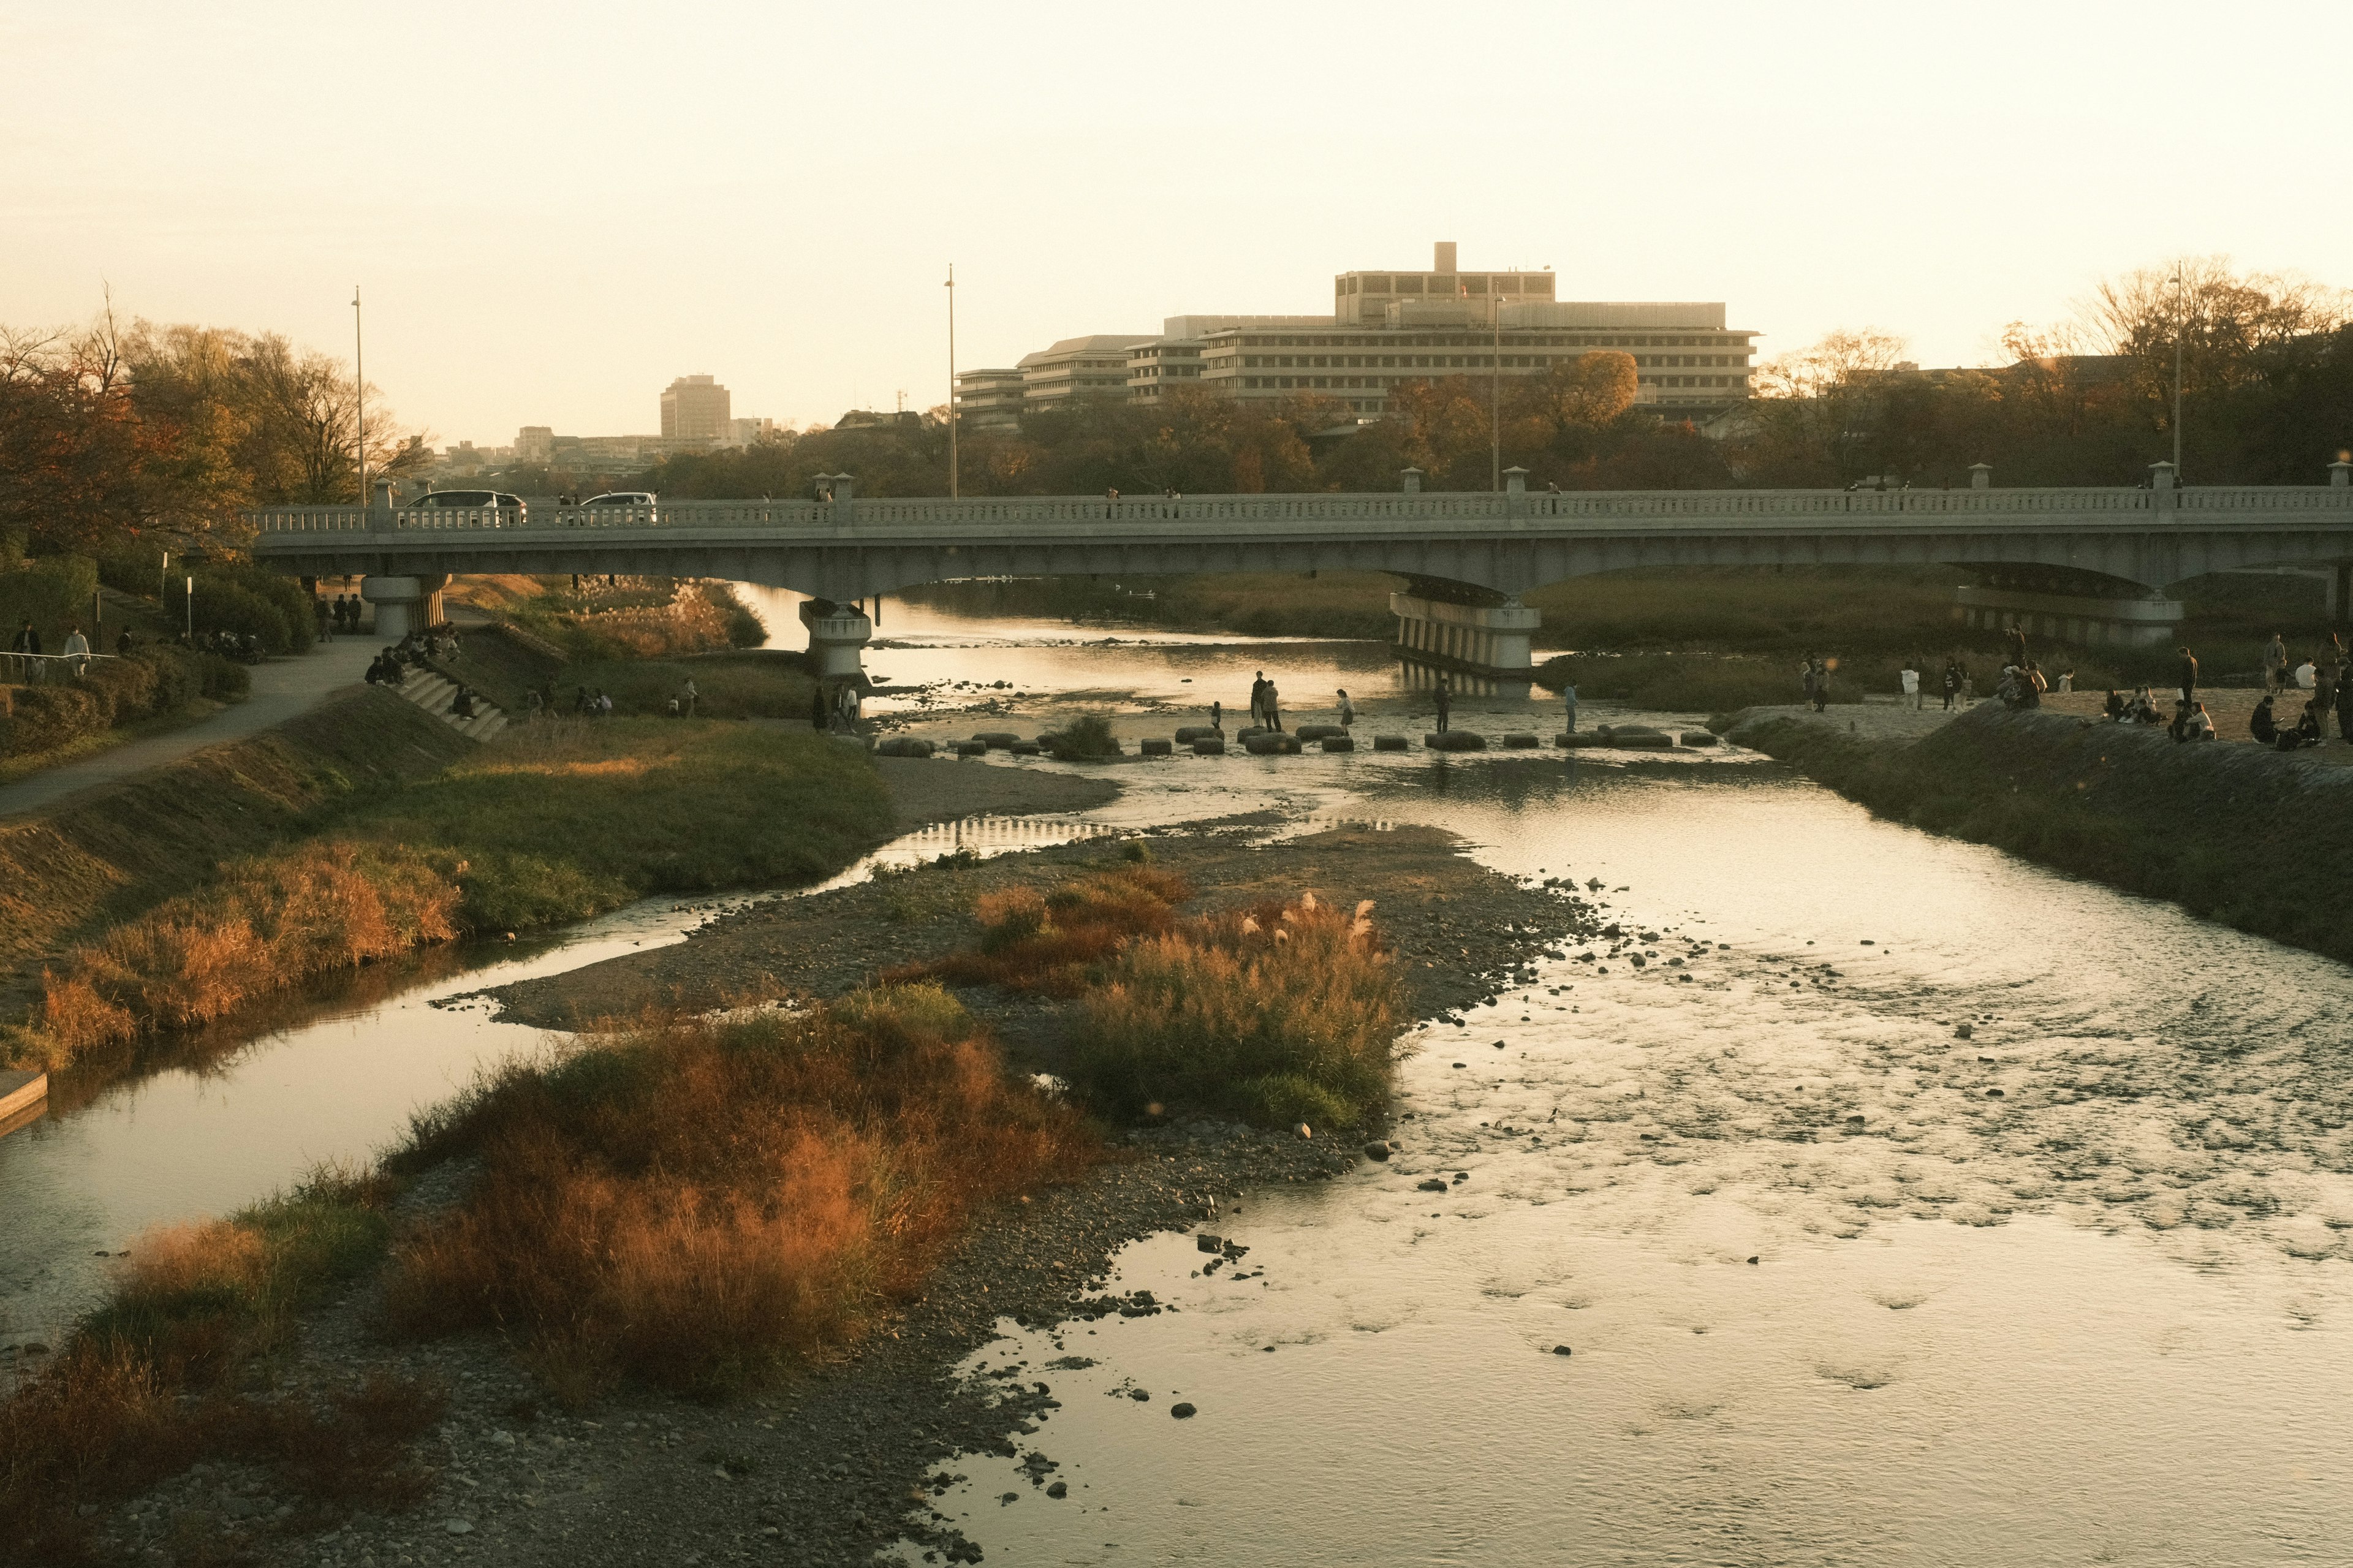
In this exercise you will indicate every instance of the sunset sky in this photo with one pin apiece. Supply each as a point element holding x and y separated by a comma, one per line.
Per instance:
<point>555,210</point>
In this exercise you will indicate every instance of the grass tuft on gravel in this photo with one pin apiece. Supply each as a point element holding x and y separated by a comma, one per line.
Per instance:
<point>699,1205</point>
<point>156,1378</point>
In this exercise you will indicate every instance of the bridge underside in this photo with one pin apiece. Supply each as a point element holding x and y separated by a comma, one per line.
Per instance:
<point>852,567</point>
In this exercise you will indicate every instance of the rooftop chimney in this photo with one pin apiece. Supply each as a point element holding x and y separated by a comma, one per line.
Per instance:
<point>1445,255</point>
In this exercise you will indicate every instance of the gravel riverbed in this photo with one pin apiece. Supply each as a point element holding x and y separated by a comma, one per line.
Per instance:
<point>843,1458</point>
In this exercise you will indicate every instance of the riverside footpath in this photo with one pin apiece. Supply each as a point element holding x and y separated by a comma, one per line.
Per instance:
<point>282,689</point>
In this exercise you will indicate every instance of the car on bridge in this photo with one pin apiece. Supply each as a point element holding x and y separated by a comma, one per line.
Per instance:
<point>622,498</point>
<point>510,509</point>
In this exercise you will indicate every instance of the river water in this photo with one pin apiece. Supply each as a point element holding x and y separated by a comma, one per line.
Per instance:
<point>1831,1298</point>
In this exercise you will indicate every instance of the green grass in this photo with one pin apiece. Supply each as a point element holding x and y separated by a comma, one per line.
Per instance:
<point>565,819</point>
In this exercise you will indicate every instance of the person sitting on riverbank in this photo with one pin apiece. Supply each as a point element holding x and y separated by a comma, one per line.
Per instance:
<point>2200,725</point>
<point>2115,706</point>
<point>2262,726</point>
<point>461,706</point>
<point>2143,710</point>
<point>2307,731</point>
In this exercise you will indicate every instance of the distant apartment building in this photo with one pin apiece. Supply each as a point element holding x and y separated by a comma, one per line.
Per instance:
<point>535,444</point>
<point>747,432</point>
<point>695,408</point>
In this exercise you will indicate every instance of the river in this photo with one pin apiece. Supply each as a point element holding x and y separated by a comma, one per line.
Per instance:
<point>1931,1209</point>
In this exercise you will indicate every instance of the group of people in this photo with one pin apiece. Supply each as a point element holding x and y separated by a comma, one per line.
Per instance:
<point>28,641</point>
<point>342,614</point>
<point>835,705</point>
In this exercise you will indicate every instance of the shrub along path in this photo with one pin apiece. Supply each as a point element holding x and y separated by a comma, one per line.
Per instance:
<point>282,689</point>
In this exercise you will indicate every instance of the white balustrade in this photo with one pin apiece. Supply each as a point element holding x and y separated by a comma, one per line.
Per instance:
<point>1375,515</point>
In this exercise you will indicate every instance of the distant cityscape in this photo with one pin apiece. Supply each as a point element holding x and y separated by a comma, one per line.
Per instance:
<point>1386,328</point>
<point>697,414</point>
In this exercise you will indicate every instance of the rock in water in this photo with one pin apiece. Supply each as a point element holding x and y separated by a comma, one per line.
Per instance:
<point>1058,1490</point>
<point>1182,1412</point>
<point>1377,1151</point>
<point>1432,1185</point>
<point>1561,1350</point>
<point>1204,1242</point>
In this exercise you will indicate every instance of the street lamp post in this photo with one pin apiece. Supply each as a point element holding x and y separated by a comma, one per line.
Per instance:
<point>359,382</point>
<point>955,472</point>
<point>2180,326</point>
<point>1495,393</point>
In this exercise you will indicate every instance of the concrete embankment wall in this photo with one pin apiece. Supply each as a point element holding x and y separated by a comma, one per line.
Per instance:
<point>120,850</point>
<point>2258,839</point>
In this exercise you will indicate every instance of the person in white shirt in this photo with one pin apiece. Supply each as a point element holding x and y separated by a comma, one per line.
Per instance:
<point>77,650</point>
<point>1911,687</point>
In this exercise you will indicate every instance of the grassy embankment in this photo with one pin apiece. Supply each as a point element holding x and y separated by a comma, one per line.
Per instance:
<point>2239,835</point>
<point>560,821</point>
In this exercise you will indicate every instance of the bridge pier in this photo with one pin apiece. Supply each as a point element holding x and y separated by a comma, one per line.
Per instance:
<point>1495,640</point>
<point>2089,621</point>
<point>404,604</point>
<point>835,634</point>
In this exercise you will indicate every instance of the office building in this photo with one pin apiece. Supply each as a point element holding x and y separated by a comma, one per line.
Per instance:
<point>695,408</point>
<point>989,399</point>
<point>1078,368</point>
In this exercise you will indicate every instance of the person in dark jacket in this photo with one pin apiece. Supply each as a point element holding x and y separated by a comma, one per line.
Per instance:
<point>2345,710</point>
<point>2189,676</point>
<point>2262,726</point>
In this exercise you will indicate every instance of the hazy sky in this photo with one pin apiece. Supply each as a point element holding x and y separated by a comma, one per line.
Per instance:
<point>556,208</point>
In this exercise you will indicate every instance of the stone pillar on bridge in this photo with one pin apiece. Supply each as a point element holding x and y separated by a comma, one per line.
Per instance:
<point>399,601</point>
<point>1412,481</point>
<point>1980,476</point>
<point>836,633</point>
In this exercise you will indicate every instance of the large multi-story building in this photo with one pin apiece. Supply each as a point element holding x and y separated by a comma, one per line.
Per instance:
<point>696,408</point>
<point>1386,328</point>
<point>1078,368</point>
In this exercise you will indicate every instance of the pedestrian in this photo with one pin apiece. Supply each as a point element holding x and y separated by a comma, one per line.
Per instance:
<point>2274,662</point>
<point>1806,677</point>
<point>1273,708</point>
<point>1568,701</point>
<point>1257,701</point>
<point>2018,645</point>
<point>1952,681</point>
<point>1445,704</point>
<point>2326,674</point>
<point>1347,710</point>
<point>820,705</point>
<point>531,702</point>
<point>2345,710</point>
<point>324,614</point>
<point>123,642</point>
<point>693,695</point>
<point>1911,678</point>
<point>28,638</point>
<point>604,706</point>
<point>2190,674</point>
<point>77,650</point>
<point>1218,716</point>
<point>2067,679</point>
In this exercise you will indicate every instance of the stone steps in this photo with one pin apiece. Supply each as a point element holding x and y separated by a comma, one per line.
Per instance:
<point>433,693</point>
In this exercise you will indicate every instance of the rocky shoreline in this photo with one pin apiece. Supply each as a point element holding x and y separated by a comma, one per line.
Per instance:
<point>840,1461</point>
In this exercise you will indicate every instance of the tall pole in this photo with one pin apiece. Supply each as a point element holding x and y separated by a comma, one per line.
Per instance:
<point>2180,326</point>
<point>955,472</point>
<point>359,382</point>
<point>1495,397</point>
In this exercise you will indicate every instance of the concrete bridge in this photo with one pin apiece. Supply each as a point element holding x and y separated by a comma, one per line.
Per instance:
<point>2088,566</point>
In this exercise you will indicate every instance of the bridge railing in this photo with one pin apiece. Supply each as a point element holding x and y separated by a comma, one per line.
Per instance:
<point>1377,513</point>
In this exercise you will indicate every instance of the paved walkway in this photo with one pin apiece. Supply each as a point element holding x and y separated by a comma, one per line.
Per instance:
<point>282,687</point>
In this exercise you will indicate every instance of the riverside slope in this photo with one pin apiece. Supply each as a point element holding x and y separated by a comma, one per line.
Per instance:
<point>2258,839</point>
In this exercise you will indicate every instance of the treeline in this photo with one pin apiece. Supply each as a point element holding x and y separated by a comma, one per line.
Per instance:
<point>109,436</point>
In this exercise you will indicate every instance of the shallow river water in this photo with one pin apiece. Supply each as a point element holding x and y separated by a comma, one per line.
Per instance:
<point>1839,1283</point>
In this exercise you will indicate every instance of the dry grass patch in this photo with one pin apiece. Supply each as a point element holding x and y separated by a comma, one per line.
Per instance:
<point>1049,943</point>
<point>1277,1014</point>
<point>153,1381</point>
<point>699,1204</point>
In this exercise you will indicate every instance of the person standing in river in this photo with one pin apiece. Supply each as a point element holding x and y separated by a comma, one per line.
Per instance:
<point>1445,704</point>
<point>1568,702</point>
<point>1347,710</point>
<point>1273,708</point>
<point>1218,717</point>
<point>1257,701</point>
